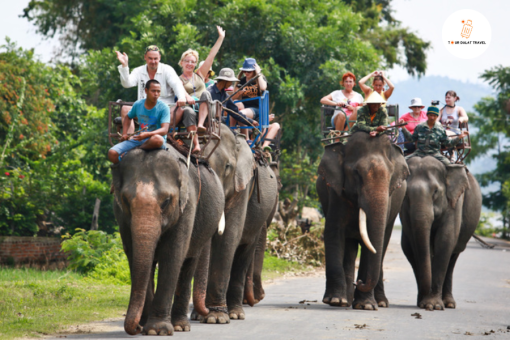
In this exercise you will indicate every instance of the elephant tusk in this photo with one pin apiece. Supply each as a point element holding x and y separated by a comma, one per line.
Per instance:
<point>221,225</point>
<point>363,231</point>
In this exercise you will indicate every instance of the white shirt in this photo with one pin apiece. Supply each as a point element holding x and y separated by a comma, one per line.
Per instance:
<point>171,85</point>
<point>339,97</point>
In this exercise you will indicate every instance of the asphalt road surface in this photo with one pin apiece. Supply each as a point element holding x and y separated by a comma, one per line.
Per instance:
<point>481,290</point>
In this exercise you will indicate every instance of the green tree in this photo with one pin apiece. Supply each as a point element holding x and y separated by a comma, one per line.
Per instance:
<point>493,123</point>
<point>53,162</point>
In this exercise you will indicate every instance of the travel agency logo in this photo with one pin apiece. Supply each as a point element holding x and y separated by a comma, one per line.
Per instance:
<point>466,34</point>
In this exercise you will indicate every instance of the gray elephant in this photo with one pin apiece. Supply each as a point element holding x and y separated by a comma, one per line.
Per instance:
<point>166,214</point>
<point>439,215</point>
<point>249,200</point>
<point>361,186</point>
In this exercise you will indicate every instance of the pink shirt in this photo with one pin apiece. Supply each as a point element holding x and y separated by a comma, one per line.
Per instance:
<point>412,122</point>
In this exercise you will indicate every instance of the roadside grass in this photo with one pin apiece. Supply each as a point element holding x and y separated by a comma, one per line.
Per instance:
<point>275,267</point>
<point>34,303</point>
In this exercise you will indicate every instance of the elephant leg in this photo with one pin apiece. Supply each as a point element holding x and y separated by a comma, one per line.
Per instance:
<point>171,253</point>
<point>149,297</point>
<point>182,295</point>
<point>448,300</point>
<point>443,249</point>
<point>200,284</point>
<point>242,260</point>
<point>249,297</point>
<point>222,255</point>
<point>258,262</point>
<point>364,300</point>
<point>351,253</point>
<point>409,253</point>
<point>334,242</point>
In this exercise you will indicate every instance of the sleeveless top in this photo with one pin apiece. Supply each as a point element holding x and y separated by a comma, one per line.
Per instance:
<point>339,97</point>
<point>194,86</point>
<point>454,116</point>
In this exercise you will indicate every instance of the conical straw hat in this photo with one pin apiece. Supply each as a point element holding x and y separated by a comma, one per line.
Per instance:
<point>375,98</point>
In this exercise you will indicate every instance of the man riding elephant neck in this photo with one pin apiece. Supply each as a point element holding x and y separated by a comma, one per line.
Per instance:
<point>430,135</point>
<point>372,118</point>
<point>153,115</point>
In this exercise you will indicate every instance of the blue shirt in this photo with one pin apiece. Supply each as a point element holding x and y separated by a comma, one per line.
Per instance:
<point>153,118</point>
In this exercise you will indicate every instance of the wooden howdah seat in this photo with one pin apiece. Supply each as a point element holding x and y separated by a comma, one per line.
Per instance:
<point>331,135</point>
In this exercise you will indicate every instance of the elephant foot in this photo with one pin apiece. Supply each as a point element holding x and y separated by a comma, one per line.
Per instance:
<point>156,326</point>
<point>217,315</point>
<point>364,301</point>
<point>236,313</point>
<point>432,303</point>
<point>181,324</point>
<point>382,301</point>
<point>195,316</point>
<point>259,293</point>
<point>449,302</point>
<point>336,301</point>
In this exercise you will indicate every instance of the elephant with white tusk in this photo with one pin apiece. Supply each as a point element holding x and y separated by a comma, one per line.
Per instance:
<point>361,186</point>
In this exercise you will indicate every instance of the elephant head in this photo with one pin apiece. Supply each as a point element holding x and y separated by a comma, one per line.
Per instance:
<point>365,172</point>
<point>232,161</point>
<point>151,196</point>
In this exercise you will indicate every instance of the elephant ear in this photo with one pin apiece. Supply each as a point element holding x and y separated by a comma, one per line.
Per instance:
<point>244,166</point>
<point>184,184</point>
<point>456,183</point>
<point>331,167</point>
<point>400,168</point>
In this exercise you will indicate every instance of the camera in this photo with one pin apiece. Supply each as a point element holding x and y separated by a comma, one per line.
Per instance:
<point>435,102</point>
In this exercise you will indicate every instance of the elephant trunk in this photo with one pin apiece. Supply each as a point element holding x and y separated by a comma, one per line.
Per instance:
<point>200,281</point>
<point>145,236</point>
<point>372,229</point>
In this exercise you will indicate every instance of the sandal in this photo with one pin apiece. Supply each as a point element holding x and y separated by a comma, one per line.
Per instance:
<point>201,130</point>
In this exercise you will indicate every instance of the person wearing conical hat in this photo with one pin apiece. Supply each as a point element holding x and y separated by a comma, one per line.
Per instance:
<point>372,117</point>
<point>430,135</point>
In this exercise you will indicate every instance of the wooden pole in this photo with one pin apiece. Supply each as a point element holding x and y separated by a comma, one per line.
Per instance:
<point>95,215</point>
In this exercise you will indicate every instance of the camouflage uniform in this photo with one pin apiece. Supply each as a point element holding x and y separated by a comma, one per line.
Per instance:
<point>429,141</point>
<point>365,123</point>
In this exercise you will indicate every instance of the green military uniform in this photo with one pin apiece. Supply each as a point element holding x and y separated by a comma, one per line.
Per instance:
<point>429,141</point>
<point>365,123</point>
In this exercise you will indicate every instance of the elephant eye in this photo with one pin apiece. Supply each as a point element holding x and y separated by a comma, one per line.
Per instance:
<point>166,203</point>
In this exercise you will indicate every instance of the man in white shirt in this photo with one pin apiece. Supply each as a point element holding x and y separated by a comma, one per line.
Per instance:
<point>171,85</point>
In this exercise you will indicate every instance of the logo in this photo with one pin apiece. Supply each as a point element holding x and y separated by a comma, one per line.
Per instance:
<point>466,34</point>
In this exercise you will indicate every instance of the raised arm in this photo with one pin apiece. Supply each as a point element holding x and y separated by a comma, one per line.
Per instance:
<point>212,54</point>
<point>366,89</point>
<point>389,91</point>
<point>262,82</point>
<point>127,80</point>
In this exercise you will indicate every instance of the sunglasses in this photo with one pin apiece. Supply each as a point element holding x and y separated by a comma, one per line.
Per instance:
<point>189,62</point>
<point>248,71</point>
<point>152,48</point>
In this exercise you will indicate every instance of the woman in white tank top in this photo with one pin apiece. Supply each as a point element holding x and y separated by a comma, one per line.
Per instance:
<point>451,114</point>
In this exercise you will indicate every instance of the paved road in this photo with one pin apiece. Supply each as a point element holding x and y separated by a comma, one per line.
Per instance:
<point>481,289</point>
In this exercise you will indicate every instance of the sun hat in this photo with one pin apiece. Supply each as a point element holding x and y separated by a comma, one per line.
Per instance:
<point>249,64</point>
<point>226,74</point>
<point>433,110</point>
<point>416,102</point>
<point>210,69</point>
<point>375,98</point>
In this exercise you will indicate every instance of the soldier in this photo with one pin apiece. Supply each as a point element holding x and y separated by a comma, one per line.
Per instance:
<point>430,135</point>
<point>372,117</point>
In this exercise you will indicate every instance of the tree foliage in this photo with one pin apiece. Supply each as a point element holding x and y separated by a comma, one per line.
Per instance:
<point>493,122</point>
<point>53,164</point>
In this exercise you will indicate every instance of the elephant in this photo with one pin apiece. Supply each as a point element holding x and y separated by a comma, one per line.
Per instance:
<point>253,290</point>
<point>361,186</point>
<point>249,200</point>
<point>439,215</point>
<point>166,214</point>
